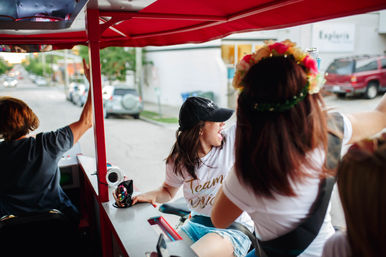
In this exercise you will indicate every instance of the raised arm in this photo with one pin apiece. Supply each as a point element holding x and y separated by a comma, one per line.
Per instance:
<point>161,195</point>
<point>85,121</point>
<point>367,124</point>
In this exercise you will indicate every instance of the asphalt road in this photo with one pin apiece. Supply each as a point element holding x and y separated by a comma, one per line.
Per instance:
<point>137,147</point>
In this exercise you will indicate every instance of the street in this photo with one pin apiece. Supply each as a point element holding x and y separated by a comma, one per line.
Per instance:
<point>137,147</point>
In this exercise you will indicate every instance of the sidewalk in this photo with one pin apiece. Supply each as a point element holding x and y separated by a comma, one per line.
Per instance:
<point>168,111</point>
<point>165,111</point>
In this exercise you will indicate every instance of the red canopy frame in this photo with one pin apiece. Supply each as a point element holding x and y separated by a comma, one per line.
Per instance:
<point>168,22</point>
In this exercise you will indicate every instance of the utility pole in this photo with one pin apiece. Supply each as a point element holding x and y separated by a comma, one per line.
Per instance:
<point>139,70</point>
<point>44,64</point>
<point>65,68</point>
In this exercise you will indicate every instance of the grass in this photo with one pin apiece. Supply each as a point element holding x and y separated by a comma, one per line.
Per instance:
<point>156,117</point>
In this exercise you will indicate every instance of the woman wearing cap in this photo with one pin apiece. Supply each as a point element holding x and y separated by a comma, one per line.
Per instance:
<point>281,143</point>
<point>199,161</point>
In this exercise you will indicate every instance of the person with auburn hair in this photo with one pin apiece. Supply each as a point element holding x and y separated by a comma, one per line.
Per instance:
<point>29,177</point>
<point>361,183</point>
<point>281,147</point>
<point>18,119</point>
<point>199,161</point>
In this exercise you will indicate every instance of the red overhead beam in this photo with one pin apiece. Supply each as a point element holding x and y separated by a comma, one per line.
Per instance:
<point>124,15</point>
<point>185,21</point>
<point>209,20</point>
<point>243,14</point>
<point>109,24</point>
<point>262,8</point>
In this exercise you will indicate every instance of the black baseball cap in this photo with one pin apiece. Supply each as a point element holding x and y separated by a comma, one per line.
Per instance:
<point>196,109</point>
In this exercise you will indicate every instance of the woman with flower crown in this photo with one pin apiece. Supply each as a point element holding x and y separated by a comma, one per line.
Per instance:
<point>281,144</point>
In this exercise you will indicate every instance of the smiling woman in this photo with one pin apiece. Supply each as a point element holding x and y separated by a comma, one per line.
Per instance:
<point>199,161</point>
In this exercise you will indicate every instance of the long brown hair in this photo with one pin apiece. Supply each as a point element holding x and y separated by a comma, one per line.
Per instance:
<point>272,146</point>
<point>361,183</point>
<point>17,119</point>
<point>184,152</point>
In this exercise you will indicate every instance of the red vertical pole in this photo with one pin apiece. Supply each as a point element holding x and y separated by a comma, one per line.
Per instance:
<point>92,24</point>
<point>99,132</point>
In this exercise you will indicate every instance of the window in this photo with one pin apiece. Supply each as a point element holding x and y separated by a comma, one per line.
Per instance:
<point>383,63</point>
<point>228,54</point>
<point>366,66</point>
<point>243,50</point>
<point>124,91</point>
<point>341,67</point>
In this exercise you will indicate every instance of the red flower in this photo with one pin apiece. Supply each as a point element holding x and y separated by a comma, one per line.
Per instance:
<point>279,48</point>
<point>310,64</point>
<point>247,58</point>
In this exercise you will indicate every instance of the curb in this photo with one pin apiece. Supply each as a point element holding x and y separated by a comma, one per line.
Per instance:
<point>161,124</point>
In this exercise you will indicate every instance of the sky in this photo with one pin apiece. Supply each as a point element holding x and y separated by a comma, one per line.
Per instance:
<point>13,57</point>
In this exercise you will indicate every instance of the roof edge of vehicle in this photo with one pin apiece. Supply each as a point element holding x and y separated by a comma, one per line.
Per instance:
<point>359,57</point>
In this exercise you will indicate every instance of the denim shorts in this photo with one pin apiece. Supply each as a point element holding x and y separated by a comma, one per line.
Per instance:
<point>240,241</point>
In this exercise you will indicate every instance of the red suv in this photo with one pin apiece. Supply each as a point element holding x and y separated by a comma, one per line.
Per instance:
<point>357,75</point>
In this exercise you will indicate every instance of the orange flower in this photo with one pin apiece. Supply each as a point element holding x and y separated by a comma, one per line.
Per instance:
<point>260,54</point>
<point>298,53</point>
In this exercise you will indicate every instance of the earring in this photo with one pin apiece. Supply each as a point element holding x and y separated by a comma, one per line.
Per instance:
<point>200,133</point>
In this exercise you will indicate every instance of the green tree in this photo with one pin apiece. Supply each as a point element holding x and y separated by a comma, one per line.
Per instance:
<point>35,66</point>
<point>115,61</point>
<point>4,66</point>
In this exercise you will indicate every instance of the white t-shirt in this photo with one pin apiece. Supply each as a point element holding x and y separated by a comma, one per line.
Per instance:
<point>200,193</point>
<point>274,218</point>
<point>337,245</point>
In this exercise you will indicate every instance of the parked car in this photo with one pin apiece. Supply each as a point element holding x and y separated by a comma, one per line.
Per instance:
<point>68,91</point>
<point>40,81</point>
<point>357,75</point>
<point>32,77</point>
<point>79,94</point>
<point>120,99</point>
<point>10,82</point>
<point>76,84</point>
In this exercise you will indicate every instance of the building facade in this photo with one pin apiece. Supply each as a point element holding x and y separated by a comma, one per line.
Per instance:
<point>199,69</point>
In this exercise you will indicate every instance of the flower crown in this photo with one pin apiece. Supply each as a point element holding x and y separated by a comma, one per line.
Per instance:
<point>285,48</point>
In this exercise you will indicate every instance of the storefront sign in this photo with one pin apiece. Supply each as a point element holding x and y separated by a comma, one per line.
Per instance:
<point>333,37</point>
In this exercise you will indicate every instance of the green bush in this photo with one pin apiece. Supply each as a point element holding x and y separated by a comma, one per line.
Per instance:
<point>4,66</point>
<point>36,67</point>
